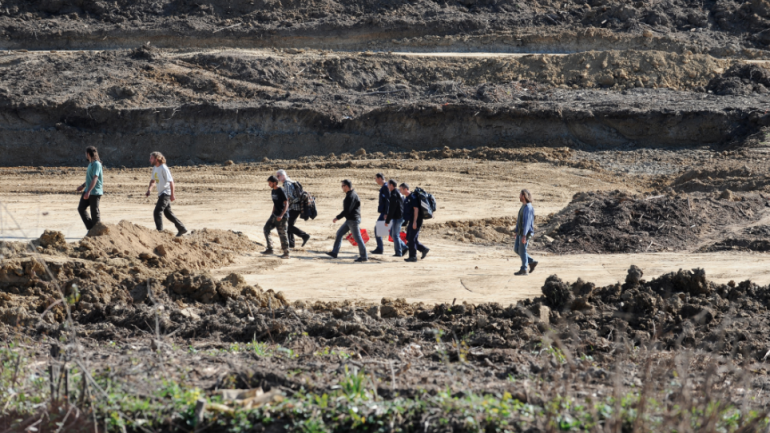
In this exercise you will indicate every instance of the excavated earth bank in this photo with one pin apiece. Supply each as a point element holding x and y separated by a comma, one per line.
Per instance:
<point>652,74</point>
<point>251,105</point>
<point>723,28</point>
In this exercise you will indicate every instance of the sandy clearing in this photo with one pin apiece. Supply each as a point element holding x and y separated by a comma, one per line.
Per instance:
<point>214,197</point>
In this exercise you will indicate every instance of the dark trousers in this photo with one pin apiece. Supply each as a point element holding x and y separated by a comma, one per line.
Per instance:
<point>281,226</point>
<point>163,207</point>
<point>293,215</point>
<point>412,239</point>
<point>93,203</point>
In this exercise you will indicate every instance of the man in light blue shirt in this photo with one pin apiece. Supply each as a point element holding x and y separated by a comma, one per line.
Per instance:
<point>525,228</point>
<point>92,189</point>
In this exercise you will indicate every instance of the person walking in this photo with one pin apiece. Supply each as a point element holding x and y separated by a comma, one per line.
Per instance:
<point>382,209</point>
<point>278,218</point>
<point>413,214</point>
<point>92,189</point>
<point>525,228</point>
<point>395,218</point>
<point>161,176</point>
<point>351,211</point>
<point>294,194</point>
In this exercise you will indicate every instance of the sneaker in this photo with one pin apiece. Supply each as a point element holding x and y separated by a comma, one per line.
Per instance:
<point>411,259</point>
<point>522,272</point>
<point>181,233</point>
<point>332,255</point>
<point>361,259</point>
<point>305,239</point>
<point>376,252</point>
<point>268,251</point>
<point>425,253</point>
<point>532,267</point>
<point>291,246</point>
<point>398,255</point>
<point>285,255</point>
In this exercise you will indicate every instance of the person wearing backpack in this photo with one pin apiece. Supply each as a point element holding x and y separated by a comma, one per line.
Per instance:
<point>395,218</point>
<point>413,215</point>
<point>525,228</point>
<point>351,211</point>
<point>382,209</point>
<point>293,192</point>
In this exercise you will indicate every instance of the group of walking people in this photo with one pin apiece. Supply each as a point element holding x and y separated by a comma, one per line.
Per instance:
<point>397,207</point>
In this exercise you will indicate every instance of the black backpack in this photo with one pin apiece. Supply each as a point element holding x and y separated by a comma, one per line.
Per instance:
<point>427,203</point>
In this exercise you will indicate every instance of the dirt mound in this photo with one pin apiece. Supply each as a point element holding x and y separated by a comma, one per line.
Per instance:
<point>97,290</point>
<point>201,249</point>
<point>52,239</point>
<point>753,238</point>
<point>617,222</point>
<point>121,265</point>
<point>740,80</point>
<point>678,309</point>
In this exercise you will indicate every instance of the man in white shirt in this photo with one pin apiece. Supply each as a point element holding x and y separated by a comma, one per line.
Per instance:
<point>161,176</point>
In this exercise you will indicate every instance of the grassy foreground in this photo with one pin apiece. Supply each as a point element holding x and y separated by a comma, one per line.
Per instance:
<point>36,396</point>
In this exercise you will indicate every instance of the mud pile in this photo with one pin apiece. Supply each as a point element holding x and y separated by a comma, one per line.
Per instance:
<point>680,309</point>
<point>117,266</point>
<point>741,80</point>
<point>618,222</point>
<point>753,238</point>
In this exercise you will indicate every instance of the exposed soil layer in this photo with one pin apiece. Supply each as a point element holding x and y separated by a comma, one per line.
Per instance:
<point>723,28</point>
<point>249,106</point>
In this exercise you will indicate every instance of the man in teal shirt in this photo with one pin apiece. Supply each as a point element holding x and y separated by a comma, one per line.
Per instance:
<point>93,189</point>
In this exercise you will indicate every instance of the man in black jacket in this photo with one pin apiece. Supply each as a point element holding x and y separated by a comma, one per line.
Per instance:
<point>395,218</point>
<point>413,214</point>
<point>382,208</point>
<point>351,211</point>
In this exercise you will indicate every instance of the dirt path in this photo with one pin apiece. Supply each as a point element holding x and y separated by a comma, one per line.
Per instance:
<point>472,274</point>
